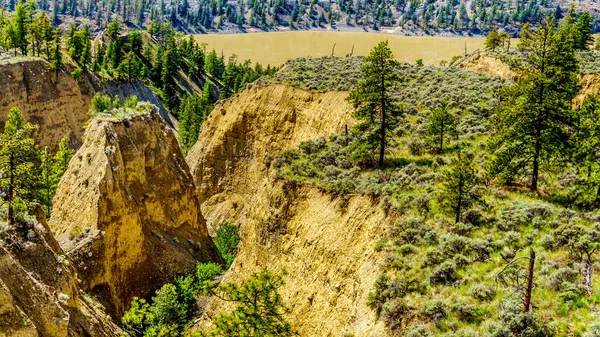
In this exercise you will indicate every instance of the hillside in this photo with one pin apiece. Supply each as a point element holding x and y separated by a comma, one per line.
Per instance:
<point>325,243</point>
<point>398,17</point>
<point>336,227</point>
<point>39,294</point>
<point>56,101</point>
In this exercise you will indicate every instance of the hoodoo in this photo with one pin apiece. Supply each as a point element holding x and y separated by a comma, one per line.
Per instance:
<point>126,212</point>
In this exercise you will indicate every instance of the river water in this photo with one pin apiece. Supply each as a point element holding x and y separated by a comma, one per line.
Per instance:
<point>276,47</point>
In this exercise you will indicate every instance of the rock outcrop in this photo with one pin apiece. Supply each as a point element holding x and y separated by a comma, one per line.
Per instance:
<point>326,243</point>
<point>57,102</point>
<point>38,288</point>
<point>53,100</point>
<point>228,161</point>
<point>125,210</point>
<point>482,62</point>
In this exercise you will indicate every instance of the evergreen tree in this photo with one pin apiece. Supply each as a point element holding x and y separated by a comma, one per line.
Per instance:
<point>493,41</point>
<point>459,185</point>
<point>531,126</point>
<point>442,122</point>
<point>20,27</point>
<point>57,61</point>
<point>377,112</point>
<point>260,309</point>
<point>18,158</point>
<point>114,29</point>
<point>47,184</point>
<point>168,76</point>
<point>583,31</point>
<point>61,159</point>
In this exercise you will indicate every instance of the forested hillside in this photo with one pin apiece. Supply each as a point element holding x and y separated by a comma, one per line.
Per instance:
<point>410,17</point>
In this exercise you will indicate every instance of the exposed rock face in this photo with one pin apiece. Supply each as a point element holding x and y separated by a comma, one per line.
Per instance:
<point>126,213</point>
<point>327,244</point>
<point>38,291</point>
<point>482,62</point>
<point>57,102</point>
<point>228,161</point>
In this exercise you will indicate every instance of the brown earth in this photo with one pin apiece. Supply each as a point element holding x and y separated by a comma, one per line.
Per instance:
<point>326,243</point>
<point>126,213</point>
<point>57,102</point>
<point>482,62</point>
<point>38,289</point>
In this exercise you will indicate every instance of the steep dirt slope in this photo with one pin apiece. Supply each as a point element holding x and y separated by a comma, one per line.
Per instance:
<point>38,289</point>
<point>325,243</point>
<point>126,212</point>
<point>57,102</point>
<point>590,85</point>
<point>482,62</point>
<point>239,134</point>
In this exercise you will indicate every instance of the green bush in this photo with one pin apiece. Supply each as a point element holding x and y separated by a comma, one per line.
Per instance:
<point>443,274</point>
<point>100,103</point>
<point>482,292</point>
<point>77,73</point>
<point>227,240</point>
<point>466,312</point>
<point>435,310</point>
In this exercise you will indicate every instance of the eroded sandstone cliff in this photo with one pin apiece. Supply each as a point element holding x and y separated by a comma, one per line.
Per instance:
<point>125,210</point>
<point>57,102</point>
<point>38,288</point>
<point>326,243</point>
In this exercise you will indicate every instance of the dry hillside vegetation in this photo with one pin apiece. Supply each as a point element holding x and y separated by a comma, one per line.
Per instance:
<point>325,243</point>
<point>444,278</point>
<point>125,210</point>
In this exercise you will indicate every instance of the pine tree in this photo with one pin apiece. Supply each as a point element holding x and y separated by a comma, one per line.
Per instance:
<point>442,122</point>
<point>260,309</point>
<point>168,76</point>
<point>459,185</point>
<point>47,183</point>
<point>493,41</point>
<point>18,156</point>
<point>57,60</point>
<point>20,28</point>
<point>61,159</point>
<point>583,31</point>
<point>377,112</point>
<point>531,126</point>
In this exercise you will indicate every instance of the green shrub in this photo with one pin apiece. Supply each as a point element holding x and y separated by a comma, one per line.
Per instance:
<point>100,103</point>
<point>166,308</point>
<point>466,312</point>
<point>77,73</point>
<point>395,313</point>
<point>443,274</point>
<point>227,240</point>
<point>482,292</point>
<point>131,102</point>
<point>435,310</point>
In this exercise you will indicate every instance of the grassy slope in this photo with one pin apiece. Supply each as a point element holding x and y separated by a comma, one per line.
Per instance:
<point>508,222</point>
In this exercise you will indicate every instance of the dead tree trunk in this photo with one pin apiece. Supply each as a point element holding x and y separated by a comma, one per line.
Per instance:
<point>588,276</point>
<point>527,301</point>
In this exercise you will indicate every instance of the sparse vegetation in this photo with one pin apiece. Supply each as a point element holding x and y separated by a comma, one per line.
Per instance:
<point>443,267</point>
